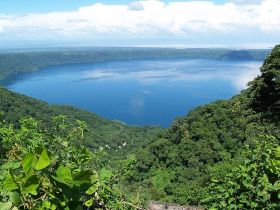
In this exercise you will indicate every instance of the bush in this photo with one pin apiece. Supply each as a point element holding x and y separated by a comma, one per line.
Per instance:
<point>255,184</point>
<point>39,170</point>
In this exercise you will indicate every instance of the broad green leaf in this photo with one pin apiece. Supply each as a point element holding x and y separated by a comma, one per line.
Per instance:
<point>94,185</point>
<point>31,185</point>
<point>27,163</point>
<point>6,206</point>
<point>9,183</point>
<point>63,175</point>
<point>44,160</point>
<point>92,189</point>
<point>85,177</point>
<point>15,198</point>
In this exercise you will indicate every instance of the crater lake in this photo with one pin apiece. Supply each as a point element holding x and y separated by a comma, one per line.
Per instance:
<point>138,92</point>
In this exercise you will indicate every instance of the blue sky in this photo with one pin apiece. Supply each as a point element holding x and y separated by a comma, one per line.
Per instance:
<point>178,23</point>
<point>28,6</point>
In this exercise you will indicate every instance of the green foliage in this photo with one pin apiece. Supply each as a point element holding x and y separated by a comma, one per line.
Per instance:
<point>116,138</point>
<point>40,170</point>
<point>47,165</point>
<point>255,184</point>
<point>188,152</point>
<point>265,89</point>
<point>209,140</point>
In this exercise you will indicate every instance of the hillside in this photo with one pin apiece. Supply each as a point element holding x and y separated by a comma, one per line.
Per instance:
<point>209,142</point>
<point>117,138</point>
<point>224,155</point>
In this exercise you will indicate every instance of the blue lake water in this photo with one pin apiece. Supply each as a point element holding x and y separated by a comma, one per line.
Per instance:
<point>144,92</point>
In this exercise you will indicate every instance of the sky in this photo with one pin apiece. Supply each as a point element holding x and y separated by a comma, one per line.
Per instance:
<point>152,23</point>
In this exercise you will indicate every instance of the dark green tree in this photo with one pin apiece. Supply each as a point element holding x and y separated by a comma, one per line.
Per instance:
<point>265,89</point>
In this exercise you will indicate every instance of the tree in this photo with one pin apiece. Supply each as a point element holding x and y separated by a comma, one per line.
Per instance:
<point>255,184</point>
<point>265,89</point>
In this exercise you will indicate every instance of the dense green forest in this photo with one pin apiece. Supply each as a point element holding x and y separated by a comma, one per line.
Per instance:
<point>213,139</point>
<point>117,138</point>
<point>224,155</point>
<point>21,61</point>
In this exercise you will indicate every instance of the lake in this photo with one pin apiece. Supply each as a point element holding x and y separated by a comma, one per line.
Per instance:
<point>140,92</point>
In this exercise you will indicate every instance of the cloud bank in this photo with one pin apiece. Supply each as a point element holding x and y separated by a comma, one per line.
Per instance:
<point>149,19</point>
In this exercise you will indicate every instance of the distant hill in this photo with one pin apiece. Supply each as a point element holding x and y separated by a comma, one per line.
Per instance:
<point>17,62</point>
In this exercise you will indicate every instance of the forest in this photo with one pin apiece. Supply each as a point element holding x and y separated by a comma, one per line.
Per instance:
<point>223,155</point>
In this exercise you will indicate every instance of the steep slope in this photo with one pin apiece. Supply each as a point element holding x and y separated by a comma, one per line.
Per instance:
<point>209,140</point>
<point>265,89</point>
<point>115,137</point>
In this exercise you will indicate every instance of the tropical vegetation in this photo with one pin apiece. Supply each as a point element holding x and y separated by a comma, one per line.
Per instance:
<point>224,155</point>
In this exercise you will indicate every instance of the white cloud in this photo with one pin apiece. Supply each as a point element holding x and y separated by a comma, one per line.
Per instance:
<point>135,5</point>
<point>4,23</point>
<point>247,2</point>
<point>142,19</point>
